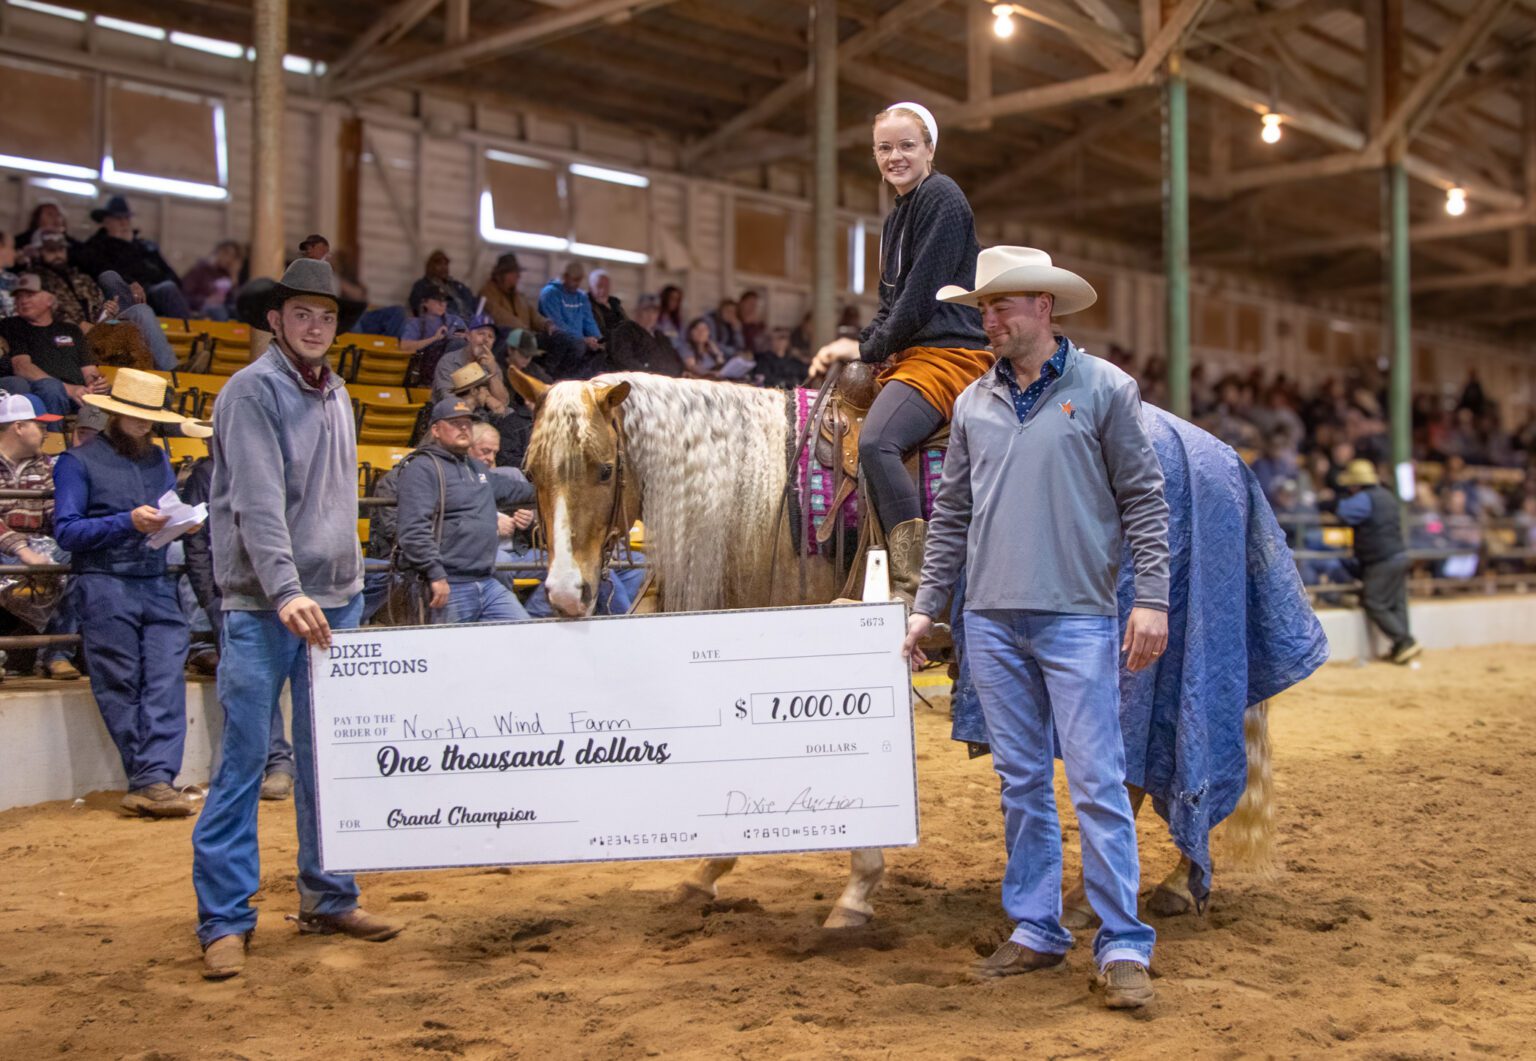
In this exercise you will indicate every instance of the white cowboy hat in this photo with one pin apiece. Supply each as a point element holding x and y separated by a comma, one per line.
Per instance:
<point>1023,270</point>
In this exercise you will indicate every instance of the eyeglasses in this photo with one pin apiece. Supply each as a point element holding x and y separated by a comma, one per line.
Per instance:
<point>906,147</point>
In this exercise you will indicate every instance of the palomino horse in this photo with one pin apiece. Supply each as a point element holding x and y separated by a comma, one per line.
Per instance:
<point>704,465</point>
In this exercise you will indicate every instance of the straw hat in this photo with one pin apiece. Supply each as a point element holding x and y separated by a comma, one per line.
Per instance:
<point>139,394</point>
<point>1023,270</point>
<point>469,377</point>
<point>1359,473</point>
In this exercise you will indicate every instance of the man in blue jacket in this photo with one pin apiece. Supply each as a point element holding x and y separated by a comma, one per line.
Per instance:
<point>446,519</point>
<point>286,558</point>
<point>106,499</point>
<point>573,326</point>
<point>1049,465</point>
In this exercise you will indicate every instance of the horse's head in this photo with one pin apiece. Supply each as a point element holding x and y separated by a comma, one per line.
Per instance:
<point>575,460</point>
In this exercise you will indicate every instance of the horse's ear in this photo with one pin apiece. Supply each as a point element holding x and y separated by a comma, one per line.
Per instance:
<point>611,397</point>
<point>528,388</point>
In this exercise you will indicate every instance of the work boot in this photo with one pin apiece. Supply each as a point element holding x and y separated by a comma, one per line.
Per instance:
<point>1407,652</point>
<point>159,800</point>
<point>1126,985</point>
<point>277,785</point>
<point>59,670</point>
<point>225,956</point>
<point>1011,959</point>
<point>904,544</point>
<point>356,922</point>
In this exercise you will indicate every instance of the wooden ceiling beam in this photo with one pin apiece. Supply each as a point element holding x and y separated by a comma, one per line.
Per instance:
<point>400,18</point>
<point>1111,49</point>
<point>1422,232</point>
<point>1277,20</point>
<point>1054,154</point>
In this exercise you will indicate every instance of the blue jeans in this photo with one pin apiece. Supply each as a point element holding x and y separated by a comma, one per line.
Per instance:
<point>1033,670</point>
<point>143,318</point>
<point>49,391</point>
<point>257,656</point>
<point>135,638</point>
<point>485,600</point>
<point>615,596</point>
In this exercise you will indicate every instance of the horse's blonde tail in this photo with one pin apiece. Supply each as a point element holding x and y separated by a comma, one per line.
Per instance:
<point>1248,836</point>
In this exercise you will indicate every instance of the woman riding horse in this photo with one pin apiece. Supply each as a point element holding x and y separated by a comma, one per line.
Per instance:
<point>928,351</point>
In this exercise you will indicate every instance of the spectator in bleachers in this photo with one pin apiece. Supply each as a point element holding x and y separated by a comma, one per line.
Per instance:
<point>1279,461</point>
<point>1376,516</point>
<point>702,357</point>
<point>432,333</point>
<point>26,524</point>
<point>287,560</point>
<point>208,284</point>
<point>669,317</point>
<point>133,630</point>
<point>567,306</point>
<point>45,356</point>
<point>89,422</point>
<point>505,304</point>
<point>494,407</point>
<point>315,246</point>
<point>197,488</point>
<point>485,447</point>
<point>318,248</point>
<point>779,366</point>
<point>656,352</point>
<point>725,328</point>
<point>607,310</point>
<point>117,247</point>
<point>438,274</point>
<point>478,350</point>
<point>78,298</point>
<point>47,216</point>
<point>754,332</point>
<point>8,277</point>
<point>447,522</point>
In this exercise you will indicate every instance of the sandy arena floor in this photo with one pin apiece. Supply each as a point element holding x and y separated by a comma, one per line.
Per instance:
<point>1403,925</point>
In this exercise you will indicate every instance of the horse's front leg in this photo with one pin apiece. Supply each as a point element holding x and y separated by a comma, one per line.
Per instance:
<point>866,867</point>
<point>1076,911</point>
<point>1172,896</point>
<point>702,884</point>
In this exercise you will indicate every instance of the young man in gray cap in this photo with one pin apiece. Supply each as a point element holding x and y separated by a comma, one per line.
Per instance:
<point>447,523</point>
<point>286,557</point>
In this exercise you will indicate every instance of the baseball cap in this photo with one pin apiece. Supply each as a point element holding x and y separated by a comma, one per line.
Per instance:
<point>27,282</point>
<point>18,407</point>
<point>91,418</point>
<point>450,409</point>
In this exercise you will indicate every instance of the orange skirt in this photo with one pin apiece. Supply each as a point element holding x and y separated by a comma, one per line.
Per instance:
<point>937,373</point>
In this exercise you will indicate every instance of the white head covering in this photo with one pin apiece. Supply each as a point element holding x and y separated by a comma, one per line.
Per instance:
<point>925,115</point>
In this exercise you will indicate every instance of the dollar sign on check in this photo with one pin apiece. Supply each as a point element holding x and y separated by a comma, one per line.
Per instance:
<point>741,709</point>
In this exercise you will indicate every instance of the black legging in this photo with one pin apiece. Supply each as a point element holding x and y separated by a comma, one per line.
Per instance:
<point>898,421</point>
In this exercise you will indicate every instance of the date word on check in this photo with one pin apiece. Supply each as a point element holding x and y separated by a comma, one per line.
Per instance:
<point>635,737</point>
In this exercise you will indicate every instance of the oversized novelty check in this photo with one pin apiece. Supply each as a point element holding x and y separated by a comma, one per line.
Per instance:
<point>659,736</point>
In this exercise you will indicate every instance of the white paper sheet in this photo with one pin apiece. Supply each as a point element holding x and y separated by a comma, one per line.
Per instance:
<point>180,518</point>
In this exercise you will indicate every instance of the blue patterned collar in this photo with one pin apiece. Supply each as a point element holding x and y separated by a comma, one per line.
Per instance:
<point>1024,398</point>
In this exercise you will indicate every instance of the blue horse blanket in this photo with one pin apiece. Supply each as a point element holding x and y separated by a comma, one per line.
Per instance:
<point>1240,630</point>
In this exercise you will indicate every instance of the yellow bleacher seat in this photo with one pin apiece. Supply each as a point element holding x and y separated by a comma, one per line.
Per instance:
<point>182,449</point>
<point>384,343</point>
<point>381,458</point>
<point>55,442</point>
<point>389,425</point>
<point>183,335</point>
<point>1338,537</point>
<point>380,367</point>
<point>375,395</point>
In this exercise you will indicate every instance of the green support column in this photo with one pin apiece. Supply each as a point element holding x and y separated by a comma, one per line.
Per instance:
<point>1176,235</point>
<point>1399,299</point>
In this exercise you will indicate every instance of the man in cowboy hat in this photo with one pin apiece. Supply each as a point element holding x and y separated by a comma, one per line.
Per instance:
<point>448,524</point>
<point>117,247</point>
<point>1377,518</point>
<point>106,498</point>
<point>286,559</point>
<point>1049,466</point>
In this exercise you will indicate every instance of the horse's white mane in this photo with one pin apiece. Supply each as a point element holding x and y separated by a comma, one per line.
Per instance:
<point>709,459</point>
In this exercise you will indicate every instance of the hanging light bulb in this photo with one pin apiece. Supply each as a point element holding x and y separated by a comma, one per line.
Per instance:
<point>1270,134</point>
<point>1003,24</point>
<point>1456,201</point>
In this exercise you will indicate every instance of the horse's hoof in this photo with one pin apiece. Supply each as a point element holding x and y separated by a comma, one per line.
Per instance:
<point>1078,918</point>
<point>1165,902</point>
<point>846,917</point>
<point>688,893</point>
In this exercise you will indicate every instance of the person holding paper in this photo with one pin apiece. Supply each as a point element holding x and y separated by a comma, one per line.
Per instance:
<point>283,512</point>
<point>107,501</point>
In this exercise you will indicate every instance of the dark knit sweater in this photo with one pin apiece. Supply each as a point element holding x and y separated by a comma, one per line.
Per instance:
<point>928,241</point>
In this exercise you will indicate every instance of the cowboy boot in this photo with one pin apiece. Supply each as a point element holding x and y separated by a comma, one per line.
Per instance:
<point>904,543</point>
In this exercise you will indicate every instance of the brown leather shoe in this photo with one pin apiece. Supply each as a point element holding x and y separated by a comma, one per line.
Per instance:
<point>277,785</point>
<point>1126,985</point>
<point>356,922</point>
<point>225,956</point>
<point>1012,958</point>
<point>59,670</point>
<point>159,800</point>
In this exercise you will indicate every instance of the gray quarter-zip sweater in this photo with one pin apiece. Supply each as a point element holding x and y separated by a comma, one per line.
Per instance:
<point>1035,511</point>
<point>283,508</point>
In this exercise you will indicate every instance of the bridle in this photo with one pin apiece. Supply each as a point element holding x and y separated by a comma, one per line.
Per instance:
<point>618,527</point>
